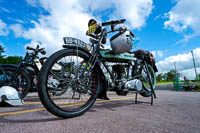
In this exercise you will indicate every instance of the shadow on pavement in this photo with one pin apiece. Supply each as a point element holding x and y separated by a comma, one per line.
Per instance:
<point>114,105</point>
<point>5,120</point>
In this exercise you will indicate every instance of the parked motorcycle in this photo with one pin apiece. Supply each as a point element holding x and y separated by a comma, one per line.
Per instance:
<point>23,76</point>
<point>71,79</point>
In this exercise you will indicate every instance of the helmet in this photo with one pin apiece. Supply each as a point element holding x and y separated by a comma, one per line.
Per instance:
<point>10,95</point>
<point>122,41</point>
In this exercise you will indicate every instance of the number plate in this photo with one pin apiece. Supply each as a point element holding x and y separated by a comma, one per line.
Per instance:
<point>76,42</point>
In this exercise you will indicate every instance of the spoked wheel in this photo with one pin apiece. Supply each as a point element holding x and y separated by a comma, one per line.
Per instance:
<point>17,79</point>
<point>66,86</point>
<point>145,80</point>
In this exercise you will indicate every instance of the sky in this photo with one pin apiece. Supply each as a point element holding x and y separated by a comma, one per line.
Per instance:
<point>170,29</point>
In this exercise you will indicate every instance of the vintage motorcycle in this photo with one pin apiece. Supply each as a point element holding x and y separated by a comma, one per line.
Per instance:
<point>23,76</point>
<point>71,79</point>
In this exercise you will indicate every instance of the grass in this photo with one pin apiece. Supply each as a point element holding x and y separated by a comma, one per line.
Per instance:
<point>164,82</point>
<point>197,87</point>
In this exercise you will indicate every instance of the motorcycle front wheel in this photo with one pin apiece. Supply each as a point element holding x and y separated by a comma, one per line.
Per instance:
<point>145,80</point>
<point>66,87</point>
<point>16,78</point>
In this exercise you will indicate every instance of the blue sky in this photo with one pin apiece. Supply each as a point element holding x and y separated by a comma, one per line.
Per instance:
<point>165,27</point>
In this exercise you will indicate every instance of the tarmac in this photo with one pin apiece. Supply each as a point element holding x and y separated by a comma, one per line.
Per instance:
<point>172,112</point>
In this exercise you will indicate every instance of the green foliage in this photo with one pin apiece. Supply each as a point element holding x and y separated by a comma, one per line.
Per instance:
<point>10,60</point>
<point>169,76</point>
<point>1,50</point>
<point>159,77</point>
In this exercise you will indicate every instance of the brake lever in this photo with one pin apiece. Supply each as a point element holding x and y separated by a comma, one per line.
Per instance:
<point>37,47</point>
<point>102,46</point>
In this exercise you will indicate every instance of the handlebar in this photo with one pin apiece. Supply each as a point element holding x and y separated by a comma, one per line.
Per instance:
<point>113,22</point>
<point>29,48</point>
<point>37,50</point>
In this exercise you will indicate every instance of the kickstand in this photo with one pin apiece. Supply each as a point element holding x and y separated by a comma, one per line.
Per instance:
<point>136,97</point>
<point>152,99</point>
<point>136,94</point>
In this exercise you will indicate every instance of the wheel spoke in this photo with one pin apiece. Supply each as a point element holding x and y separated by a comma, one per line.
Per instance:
<point>72,78</point>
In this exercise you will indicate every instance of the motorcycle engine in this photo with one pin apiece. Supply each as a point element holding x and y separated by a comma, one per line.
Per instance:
<point>119,71</point>
<point>122,85</point>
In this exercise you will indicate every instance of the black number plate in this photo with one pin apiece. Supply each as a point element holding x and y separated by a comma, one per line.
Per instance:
<point>74,42</point>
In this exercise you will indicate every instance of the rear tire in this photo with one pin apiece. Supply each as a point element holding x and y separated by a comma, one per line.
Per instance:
<point>61,69</point>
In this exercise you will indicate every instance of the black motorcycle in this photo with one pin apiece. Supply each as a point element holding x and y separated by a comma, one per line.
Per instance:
<point>71,79</point>
<point>23,76</point>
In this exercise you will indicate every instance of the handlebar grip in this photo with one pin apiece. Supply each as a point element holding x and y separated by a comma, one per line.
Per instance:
<point>29,48</point>
<point>43,52</point>
<point>114,22</point>
<point>122,20</point>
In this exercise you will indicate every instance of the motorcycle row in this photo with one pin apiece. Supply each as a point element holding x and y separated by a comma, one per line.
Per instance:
<point>70,80</point>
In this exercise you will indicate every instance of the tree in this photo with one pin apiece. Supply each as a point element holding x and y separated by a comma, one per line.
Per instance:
<point>159,77</point>
<point>172,74</point>
<point>1,50</point>
<point>10,60</point>
<point>169,76</point>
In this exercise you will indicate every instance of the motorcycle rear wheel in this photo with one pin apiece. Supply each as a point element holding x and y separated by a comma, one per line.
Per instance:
<point>65,87</point>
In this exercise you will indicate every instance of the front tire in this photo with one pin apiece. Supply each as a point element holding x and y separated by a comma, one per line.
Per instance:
<point>20,81</point>
<point>145,81</point>
<point>65,87</point>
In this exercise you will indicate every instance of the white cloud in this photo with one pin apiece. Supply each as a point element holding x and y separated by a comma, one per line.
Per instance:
<point>70,18</point>
<point>64,20</point>
<point>135,12</point>
<point>183,63</point>
<point>183,16</point>
<point>3,29</point>
<point>190,73</point>
<point>33,3</point>
<point>157,53</point>
<point>17,29</point>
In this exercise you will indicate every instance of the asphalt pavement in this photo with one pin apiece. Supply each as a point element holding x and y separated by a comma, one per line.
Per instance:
<point>165,87</point>
<point>172,112</point>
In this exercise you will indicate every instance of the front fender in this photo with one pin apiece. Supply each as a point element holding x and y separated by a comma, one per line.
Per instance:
<point>155,68</point>
<point>9,65</point>
<point>16,66</point>
<point>75,47</point>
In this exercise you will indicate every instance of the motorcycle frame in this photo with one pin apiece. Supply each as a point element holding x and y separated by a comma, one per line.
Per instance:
<point>95,57</point>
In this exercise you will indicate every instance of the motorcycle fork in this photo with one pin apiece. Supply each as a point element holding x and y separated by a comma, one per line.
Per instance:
<point>151,85</point>
<point>91,62</point>
<point>1,69</point>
